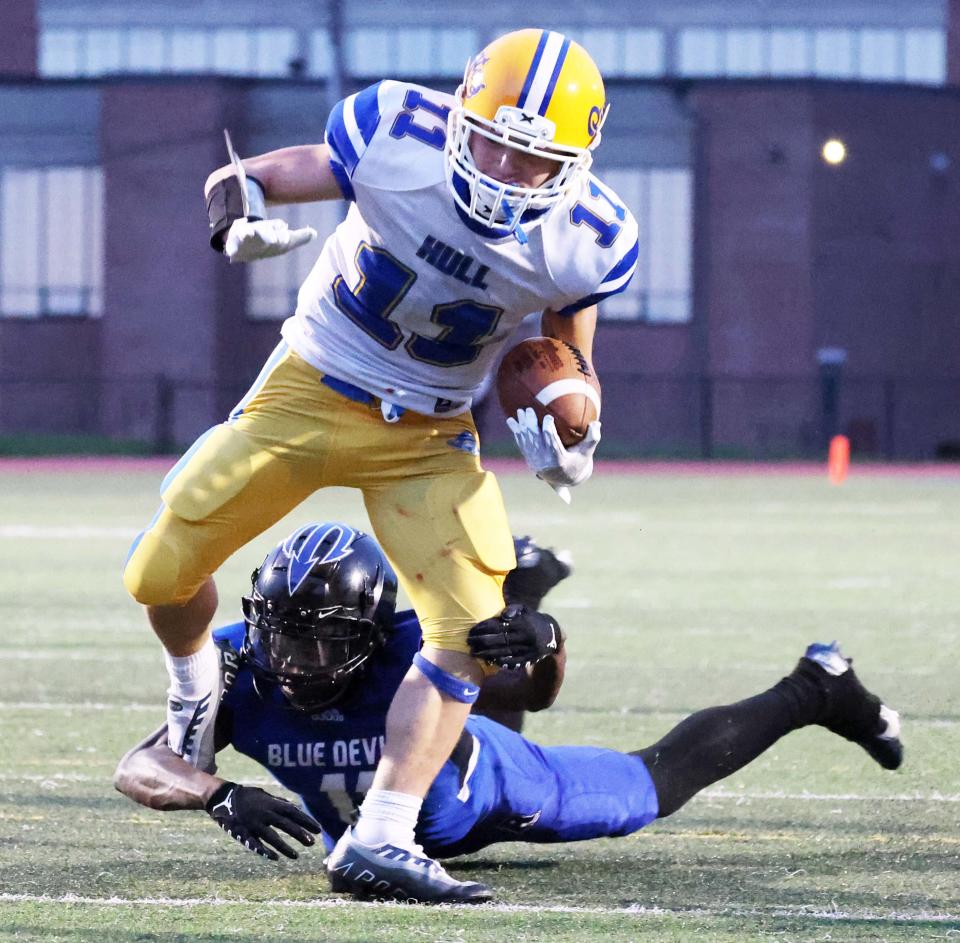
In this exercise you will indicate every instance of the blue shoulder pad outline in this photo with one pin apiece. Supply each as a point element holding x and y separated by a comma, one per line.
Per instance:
<point>350,129</point>
<point>615,281</point>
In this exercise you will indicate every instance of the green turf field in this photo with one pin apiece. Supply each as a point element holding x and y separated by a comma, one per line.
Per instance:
<point>688,591</point>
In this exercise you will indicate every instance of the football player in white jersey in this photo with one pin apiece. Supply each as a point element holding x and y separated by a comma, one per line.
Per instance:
<point>468,212</point>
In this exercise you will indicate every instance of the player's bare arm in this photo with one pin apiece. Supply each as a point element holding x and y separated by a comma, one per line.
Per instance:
<point>299,174</point>
<point>152,775</point>
<point>237,195</point>
<point>577,329</point>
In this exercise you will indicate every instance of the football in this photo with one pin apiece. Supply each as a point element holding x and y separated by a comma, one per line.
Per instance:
<point>554,378</point>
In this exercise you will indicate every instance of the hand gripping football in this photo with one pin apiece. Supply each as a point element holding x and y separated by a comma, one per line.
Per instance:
<point>553,377</point>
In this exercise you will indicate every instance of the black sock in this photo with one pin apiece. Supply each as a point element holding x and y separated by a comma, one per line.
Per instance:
<point>714,743</point>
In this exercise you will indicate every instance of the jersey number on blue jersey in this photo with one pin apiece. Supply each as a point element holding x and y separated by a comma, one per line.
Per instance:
<point>384,280</point>
<point>346,803</point>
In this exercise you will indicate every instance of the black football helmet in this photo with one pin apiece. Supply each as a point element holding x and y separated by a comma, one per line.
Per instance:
<point>322,603</point>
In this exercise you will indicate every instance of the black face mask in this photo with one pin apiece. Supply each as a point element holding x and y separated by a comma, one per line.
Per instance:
<point>311,664</point>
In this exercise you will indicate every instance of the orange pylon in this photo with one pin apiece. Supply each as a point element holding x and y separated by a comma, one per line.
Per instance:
<point>838,461</point>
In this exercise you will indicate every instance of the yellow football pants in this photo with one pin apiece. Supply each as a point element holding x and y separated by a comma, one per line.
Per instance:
<point>438,516</point>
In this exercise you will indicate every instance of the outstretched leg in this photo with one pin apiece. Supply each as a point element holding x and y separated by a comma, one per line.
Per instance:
<point>714,743</point>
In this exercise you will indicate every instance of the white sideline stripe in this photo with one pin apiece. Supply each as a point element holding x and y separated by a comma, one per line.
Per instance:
<point>826,797</point>
<point>635,910</point>
<point>712,794</point>
<point>75,532</point>
<point>159,706</point>
<point>26,654</point>
<point>560,388</point>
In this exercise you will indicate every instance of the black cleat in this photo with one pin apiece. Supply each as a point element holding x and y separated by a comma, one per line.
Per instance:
<point>538,571</point>
<point>850,710</point>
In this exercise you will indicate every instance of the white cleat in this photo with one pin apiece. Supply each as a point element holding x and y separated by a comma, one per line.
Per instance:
<point>388,872</point>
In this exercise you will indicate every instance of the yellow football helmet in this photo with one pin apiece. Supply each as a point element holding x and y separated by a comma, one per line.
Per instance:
<point>539,92</point>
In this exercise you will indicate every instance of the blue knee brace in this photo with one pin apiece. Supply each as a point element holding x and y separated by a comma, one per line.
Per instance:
<point>446,683</point>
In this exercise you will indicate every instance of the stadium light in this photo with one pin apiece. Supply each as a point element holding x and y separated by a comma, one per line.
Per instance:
<point>834,151</point>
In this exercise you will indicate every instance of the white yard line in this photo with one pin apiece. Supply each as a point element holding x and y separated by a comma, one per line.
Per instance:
<point>827,797</point>
<point>68,706</point>
<point>56,654</point>
<point>55,780</point>
<point>636,910</point>
<point>158,707</point>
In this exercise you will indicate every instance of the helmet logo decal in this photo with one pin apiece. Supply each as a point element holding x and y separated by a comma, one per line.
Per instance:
<point>544,71</point>
<point>473,80</point>
<point>311,538</point>
<point>593,120</point>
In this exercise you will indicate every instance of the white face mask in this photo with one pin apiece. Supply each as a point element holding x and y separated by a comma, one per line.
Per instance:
<point>489,201</point>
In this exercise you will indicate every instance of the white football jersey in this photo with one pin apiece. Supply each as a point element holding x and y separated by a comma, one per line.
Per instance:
<point>410,299</point>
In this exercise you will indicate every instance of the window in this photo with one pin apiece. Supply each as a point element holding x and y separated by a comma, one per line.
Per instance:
<point>368,52</point>
<point>604,48</point>
<point>104,51</point>
<point>880,54</point>
<point>745,52</point>
<point>699,52</point>
<point>233,51</point>
<point>146,50</point>
<point>51,241</point>
<point>60,52</point>
<point>833,53</point>
<point>925,56</point>
<point>789,52</point>
<point>661,289</point>
<point>189,50</point>
<point>321,53</point>
<point>874,54</point>
<point>643,52</point>
<point>274,50</point>
<point>413,52</point>
<point>454,48</point>
<point>274,282</point>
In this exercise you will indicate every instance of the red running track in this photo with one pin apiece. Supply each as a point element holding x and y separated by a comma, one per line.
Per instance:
<point>159,465</point>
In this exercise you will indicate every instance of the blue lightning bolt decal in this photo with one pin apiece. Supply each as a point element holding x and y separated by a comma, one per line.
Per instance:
<point>307,554</point>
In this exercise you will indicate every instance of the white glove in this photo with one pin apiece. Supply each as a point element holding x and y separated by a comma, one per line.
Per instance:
<point>548,458</point>
<point>249,240</point>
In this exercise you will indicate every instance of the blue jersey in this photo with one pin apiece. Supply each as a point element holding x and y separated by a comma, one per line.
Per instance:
<point>496,786</point>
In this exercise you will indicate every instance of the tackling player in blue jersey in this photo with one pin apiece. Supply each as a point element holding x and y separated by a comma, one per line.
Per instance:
<point>467,213</point>
<point>308,680</point>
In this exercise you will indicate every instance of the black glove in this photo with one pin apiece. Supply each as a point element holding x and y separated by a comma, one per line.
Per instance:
<point>538,570</point>
<point>517,637</point>
<point>250,815</point>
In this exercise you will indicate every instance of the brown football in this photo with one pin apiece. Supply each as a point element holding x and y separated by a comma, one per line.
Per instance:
<point>553,377</point>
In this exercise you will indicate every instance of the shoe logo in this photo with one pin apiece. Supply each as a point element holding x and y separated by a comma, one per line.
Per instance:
<point>227,804</point>
<point>175,706</point>
<point>465,442</point>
